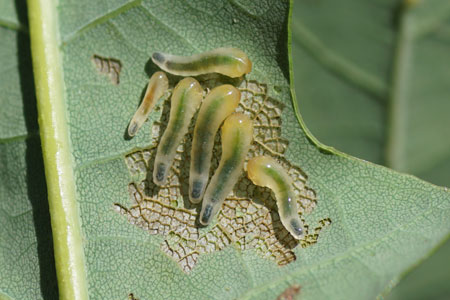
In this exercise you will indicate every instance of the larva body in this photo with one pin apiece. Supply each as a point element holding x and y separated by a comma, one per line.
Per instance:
<point>218,105</point>
<point>156,88</point>
<point>237,135</point>
<point>265,171</point>
<point>185,100</point>
<point>231,62</point>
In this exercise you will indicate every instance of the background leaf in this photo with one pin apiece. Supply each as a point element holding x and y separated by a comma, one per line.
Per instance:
<point>27,269</point>
<point>350,48</point>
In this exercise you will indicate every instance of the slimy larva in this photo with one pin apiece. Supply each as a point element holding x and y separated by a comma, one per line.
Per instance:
<point>237,135</point>
<point>231,62</point>
<point>265,171</point>
<point>156,88</point>
<point>218,105</point>
<point>186,98</point>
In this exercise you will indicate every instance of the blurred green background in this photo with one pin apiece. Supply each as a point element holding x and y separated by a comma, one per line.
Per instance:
<point>372,79</point>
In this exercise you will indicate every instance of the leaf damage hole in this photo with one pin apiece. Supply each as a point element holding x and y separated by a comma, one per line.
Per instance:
<point>108,66</point>
<point>248,219</point>
<point>132,297</point>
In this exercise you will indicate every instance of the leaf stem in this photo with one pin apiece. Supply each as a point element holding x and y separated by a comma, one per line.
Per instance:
<point>48,74</point>
<point>397,114</point>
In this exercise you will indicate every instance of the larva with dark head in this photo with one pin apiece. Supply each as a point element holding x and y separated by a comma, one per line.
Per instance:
<point>156,88</point>
<point>231,62</point>
<point>218,105</point>
<point>185,100</point>
<point>237,135</point>
<point>265,171</point>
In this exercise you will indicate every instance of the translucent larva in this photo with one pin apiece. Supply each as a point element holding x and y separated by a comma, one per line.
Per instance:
<point>231,62</point>
<point>265,171</point>
<point>218,105</point>
<point>186,98</point>
<point>237,135</point>
<point>156,88</point>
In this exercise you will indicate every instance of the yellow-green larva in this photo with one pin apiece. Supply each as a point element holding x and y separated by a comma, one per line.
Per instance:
<point>186,98</point>
<point>156,88</point>
<point>266,171</point>
<point>218,105</point>
<point>231,62</point>
<point>237,135</point>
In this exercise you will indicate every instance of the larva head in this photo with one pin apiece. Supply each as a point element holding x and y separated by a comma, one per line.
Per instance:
<point>207,213</point>
<point>157,86</point>
<point>196,189</point>
<point>190,90</point>
<point>190,84</point>
<point>257,168</point>
<point>158,58</point>
<point>243,64</point>
<point>235,126</point>
<point>160,77</point>
<point>237,121</point>
<point>225,98</point>
<point>160,173</point>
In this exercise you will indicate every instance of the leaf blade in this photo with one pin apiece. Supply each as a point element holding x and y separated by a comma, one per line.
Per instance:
<point>122,258</point>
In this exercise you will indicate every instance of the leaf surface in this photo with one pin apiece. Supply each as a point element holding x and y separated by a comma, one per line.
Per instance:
<point>382,221</point>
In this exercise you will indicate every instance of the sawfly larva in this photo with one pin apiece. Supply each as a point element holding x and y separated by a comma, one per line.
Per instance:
<point>231,62</point>
<point>237,135</point>
<point>265,171</point>
<point>218,105</point>
<point>185,100</point>
<point>156,88</point>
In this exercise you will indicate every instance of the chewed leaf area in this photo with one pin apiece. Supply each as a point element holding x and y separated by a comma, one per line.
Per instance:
<point>248,218</point>
<point>108,66</point>
<point>132,297</point>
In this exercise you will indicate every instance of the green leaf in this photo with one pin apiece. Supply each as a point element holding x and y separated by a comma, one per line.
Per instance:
<point>385,69</point>
<point>382,221</point>
<point>428,281</point>
<point>354,47</point>
<point>27,269</point>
